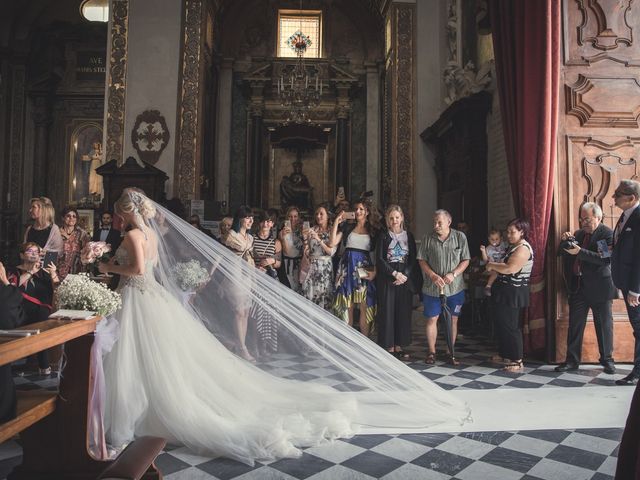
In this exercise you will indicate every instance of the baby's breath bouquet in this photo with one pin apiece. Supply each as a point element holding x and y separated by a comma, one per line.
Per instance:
<point>79,292</point>
<point>189,275</point>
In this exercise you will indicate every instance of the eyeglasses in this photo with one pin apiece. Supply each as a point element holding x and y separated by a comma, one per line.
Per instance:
<point>70,215</point>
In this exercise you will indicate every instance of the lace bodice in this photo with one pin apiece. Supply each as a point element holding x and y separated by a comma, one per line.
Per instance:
<point>141,282</point>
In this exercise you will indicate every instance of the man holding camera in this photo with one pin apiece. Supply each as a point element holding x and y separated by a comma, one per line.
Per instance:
<point>625,263</point>
<point>588,276</point>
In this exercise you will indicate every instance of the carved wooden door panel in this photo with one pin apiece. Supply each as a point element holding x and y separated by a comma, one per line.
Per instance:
<point>599,137</point>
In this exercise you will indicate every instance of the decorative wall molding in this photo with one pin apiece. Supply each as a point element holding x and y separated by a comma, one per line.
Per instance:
<point>403,111</point>
<point>605,101</point>
<point>117,86</point>
<point>599,164</point>
<point>604,28</point>
<point>150,135</point>
<point>600,30</point>
<point>188,144</point>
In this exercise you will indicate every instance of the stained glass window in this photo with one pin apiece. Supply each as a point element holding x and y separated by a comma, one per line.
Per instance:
<point>292,23</point>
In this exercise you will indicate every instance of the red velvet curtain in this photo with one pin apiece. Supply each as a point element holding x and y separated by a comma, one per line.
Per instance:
<point>527,42</point>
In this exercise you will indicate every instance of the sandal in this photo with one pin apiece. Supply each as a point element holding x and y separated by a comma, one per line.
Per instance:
<point>513,367</point>
<point>451,360</point>
<point>431,358</point>
<point>401,355</point>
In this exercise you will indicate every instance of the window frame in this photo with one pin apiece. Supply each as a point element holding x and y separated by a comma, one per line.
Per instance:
<point>315,14</point>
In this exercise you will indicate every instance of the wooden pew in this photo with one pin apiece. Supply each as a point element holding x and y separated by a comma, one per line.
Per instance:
<point>53,427</point>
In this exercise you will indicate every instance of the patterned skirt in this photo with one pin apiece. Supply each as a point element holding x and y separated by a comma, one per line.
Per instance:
<point>350,288</point>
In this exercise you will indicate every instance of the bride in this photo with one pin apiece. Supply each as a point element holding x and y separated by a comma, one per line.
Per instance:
<point>172,371</point>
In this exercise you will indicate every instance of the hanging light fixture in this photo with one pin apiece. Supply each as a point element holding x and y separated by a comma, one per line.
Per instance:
<point>298,90</point>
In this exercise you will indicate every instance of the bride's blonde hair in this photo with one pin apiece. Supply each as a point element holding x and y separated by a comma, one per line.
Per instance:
<point>133,200</point>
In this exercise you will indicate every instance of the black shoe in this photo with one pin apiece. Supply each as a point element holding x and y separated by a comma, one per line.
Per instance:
<point>609,368</point>
<point>630,379</point>
<point>566,367</point>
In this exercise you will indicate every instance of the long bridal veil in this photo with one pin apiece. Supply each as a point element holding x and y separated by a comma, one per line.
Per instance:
<point>291,337</point>
<point>266,356</point>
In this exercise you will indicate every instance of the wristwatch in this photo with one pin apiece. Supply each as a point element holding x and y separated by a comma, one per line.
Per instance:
<point>454,274</point>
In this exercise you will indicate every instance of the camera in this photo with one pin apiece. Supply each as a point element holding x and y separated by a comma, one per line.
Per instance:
<point>569,243</point>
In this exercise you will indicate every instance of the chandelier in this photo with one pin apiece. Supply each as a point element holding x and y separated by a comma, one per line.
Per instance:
<point>298,90</point>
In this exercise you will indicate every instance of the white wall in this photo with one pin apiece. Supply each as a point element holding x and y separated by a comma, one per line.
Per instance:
<point>431,58</point>
<point>153,67</point>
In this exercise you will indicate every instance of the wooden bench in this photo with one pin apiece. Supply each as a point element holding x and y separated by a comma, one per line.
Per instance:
<point>53,426</point>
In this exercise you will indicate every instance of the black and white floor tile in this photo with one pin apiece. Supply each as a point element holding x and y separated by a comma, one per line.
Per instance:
<point>588,454</point>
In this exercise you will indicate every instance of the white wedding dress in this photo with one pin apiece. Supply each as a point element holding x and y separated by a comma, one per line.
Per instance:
<point>169,371</point>
<point>168,376</point>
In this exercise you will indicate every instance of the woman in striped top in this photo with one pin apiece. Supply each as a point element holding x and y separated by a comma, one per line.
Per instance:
<point>267,252</point>
<point>510,294</point>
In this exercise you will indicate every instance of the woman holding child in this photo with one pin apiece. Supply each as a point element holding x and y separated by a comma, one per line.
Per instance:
<point>510,293</point>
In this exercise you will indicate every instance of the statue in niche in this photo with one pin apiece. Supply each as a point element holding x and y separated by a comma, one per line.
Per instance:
<point>94,160</point>
<point>295,189</point>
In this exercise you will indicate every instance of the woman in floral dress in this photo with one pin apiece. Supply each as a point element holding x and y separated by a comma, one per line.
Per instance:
<point>318,285</point>
<point>74,239</point>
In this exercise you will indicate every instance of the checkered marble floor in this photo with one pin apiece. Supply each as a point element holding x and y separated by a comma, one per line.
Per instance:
<point>544,454</point>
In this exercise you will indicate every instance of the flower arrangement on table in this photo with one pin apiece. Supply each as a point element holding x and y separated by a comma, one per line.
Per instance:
<point>79,292</point>
<point>189,275</point>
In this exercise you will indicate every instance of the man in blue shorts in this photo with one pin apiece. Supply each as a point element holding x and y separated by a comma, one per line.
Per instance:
<point>443,257</point>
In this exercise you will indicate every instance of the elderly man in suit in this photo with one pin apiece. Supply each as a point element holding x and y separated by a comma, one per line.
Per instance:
<point>625,263</point>
<point>589,285</point>
<point>106,233</point>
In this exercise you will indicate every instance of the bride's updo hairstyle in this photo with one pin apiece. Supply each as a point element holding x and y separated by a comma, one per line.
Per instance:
<point>134,201</point>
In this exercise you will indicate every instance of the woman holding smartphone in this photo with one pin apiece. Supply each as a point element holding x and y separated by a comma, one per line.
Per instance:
<point>354,281</point>
<point>318,284</point>
<point>36,284</point>
<point>292,246</point>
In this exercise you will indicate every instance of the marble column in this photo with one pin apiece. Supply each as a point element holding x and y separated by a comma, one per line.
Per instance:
<point>254,191</point>
<point>42,120</point>
<point>223,127</point>
<point>342,150</point>
<point>373,129</point>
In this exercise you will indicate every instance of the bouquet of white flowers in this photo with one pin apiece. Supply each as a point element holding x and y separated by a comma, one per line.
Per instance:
<point>79,292</point>
<point>189,275</point>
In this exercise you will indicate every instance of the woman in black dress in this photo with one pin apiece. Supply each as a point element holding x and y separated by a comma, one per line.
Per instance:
<point>36,285</point>
<point>397,281</point>
<point>510,294</point>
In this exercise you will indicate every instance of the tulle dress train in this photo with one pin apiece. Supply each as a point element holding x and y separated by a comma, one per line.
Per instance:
<point>168,376</point>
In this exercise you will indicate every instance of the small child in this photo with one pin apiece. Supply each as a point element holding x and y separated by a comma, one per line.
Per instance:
<point>494,252</point>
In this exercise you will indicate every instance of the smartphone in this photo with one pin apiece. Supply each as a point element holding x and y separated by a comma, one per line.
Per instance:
<point>349,215</point>
<point>603,248</point>
<point>49,257</point>
<point>341,192</point>
<point>305,226</point>
<point>287,224</point>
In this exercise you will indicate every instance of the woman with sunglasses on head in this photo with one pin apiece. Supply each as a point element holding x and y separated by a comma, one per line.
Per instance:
<point>74,238</point>
<point>36,284</point>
